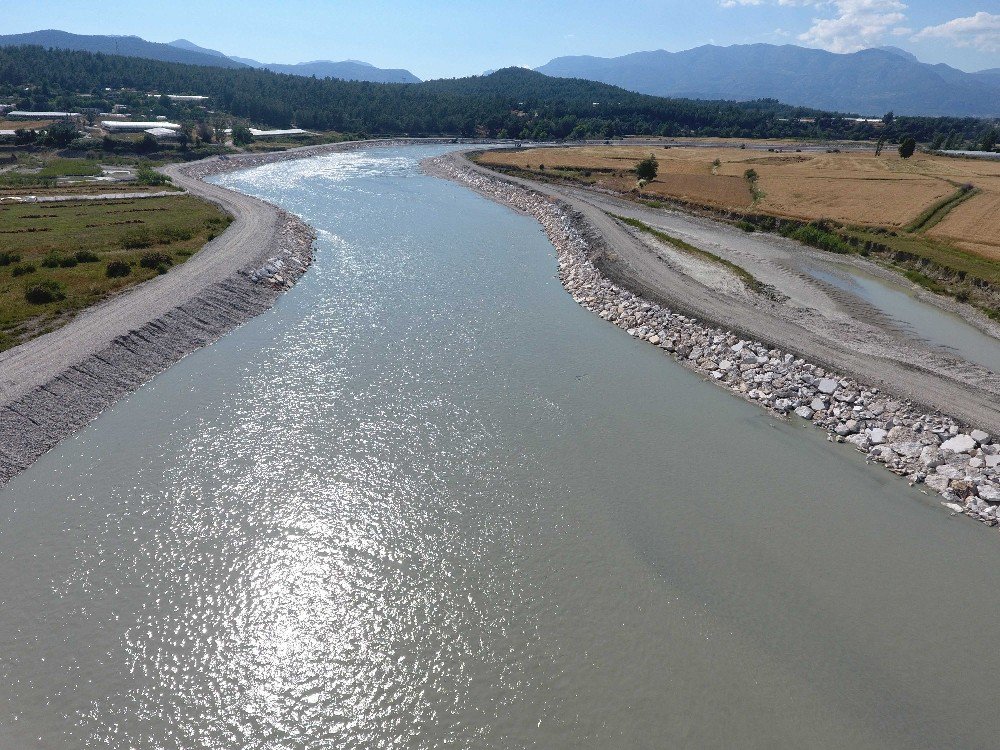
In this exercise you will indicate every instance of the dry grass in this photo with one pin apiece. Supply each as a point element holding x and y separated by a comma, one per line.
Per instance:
<point>975,224</point>
<point>852,188</point>
<point>26,124</point>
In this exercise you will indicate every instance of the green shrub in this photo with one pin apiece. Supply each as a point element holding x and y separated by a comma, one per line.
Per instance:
<point>117,268</point>
<point>820,238</point>
<point>166,235</point>
<point>86,256</point>
<point>43,292</point>
<point>22,269</point>
<point>136,238</point>
<point>155,260</point>
<point>746,226</point>
<point>149,176</point>
<point>52,260</point>
<point>68,261</point>
<point>7,257</point>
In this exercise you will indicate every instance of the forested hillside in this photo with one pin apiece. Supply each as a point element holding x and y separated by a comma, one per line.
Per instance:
<point>513,102</point>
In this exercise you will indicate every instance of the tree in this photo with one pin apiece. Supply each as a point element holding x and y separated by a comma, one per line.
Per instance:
<point>60,135</point>
<point>888,117</point>
<point>146,144</point>
<point>647,168</point>
<point>24,137</point>
<point>907,147</point>
<point>751,176</point>
<point>242,136</point>
<point>989,141</point>
<point>204,132</point>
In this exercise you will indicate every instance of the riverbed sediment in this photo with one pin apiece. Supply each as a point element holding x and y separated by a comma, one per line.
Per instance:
<point>950,457</point>
<point>54,385</point>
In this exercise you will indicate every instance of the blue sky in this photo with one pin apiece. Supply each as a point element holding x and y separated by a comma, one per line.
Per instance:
<point>445,38</point>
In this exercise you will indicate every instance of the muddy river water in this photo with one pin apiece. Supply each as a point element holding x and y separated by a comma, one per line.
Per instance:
<point>429,502</point>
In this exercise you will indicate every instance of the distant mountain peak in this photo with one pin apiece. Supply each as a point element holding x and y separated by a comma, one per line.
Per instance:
<point>898,52</point>
<point>869,82</point>
<point>191,46</point>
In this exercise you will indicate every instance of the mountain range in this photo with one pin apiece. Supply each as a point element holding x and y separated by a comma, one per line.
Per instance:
<point>869,82</point>
<point>184,51</point>
<point>128,46</point>
<point>345,70</point>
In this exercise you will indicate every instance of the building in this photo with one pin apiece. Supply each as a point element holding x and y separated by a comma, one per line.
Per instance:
<point>18,114</point>
<point>277,133</point>
<point>163,133</point>
<point>127,126</point>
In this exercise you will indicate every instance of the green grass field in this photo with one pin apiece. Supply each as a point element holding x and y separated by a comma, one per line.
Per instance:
<point>68,247</point>
<point>70,168</point>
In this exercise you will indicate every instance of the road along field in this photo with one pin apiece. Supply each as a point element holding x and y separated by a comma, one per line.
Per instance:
<point>934,218</point>
<point>57,258</point>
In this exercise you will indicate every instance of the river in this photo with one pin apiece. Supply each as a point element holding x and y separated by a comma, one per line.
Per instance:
<point>429,502</point>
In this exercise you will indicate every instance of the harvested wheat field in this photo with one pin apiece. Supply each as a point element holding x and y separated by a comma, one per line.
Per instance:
<point>853,188</point>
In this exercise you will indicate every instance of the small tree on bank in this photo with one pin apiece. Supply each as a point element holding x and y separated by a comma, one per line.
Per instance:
<point>647,168</point>
<point>907,147</point>
<point>242,136</point>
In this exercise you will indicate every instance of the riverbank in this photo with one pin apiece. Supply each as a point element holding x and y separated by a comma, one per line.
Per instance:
<point>958,461</point>
<point>54,385</point>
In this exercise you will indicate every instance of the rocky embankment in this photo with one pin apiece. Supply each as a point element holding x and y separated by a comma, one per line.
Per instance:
<point>961,464</point>
<point>76,372</point>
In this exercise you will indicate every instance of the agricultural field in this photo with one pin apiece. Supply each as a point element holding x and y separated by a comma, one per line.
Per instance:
<point>41,174</point>
<point>933,218</point>
<point>850,188</point>
<point>58,258</point>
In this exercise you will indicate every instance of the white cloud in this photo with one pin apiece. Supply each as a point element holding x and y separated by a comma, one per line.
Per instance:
<point>981,31</point>
<point>856,25</point>
<point>849,25</point>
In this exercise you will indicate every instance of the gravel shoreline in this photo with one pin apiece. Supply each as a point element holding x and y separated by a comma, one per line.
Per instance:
<point>958,462</point>
<point>54,385</point>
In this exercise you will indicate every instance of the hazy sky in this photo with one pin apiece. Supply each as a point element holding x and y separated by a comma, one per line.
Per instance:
<point>446,38</point>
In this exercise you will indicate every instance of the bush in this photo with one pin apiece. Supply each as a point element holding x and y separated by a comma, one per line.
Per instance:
<point>43,292</point>
<point>7,257</point>
<point>746,226</point>
<point>52,261</point>
<point>68,261</point>
<point>166,235</point>
<point>149,176</point>
<point>818,237</point>
<point>155,260</point>
<point>117,269</point>
<point>647,168</point>
<point>86,256</point>
<point>136,238</point>
<point>23,269</point>
<point>907,147</point>
<point>750,175</point>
